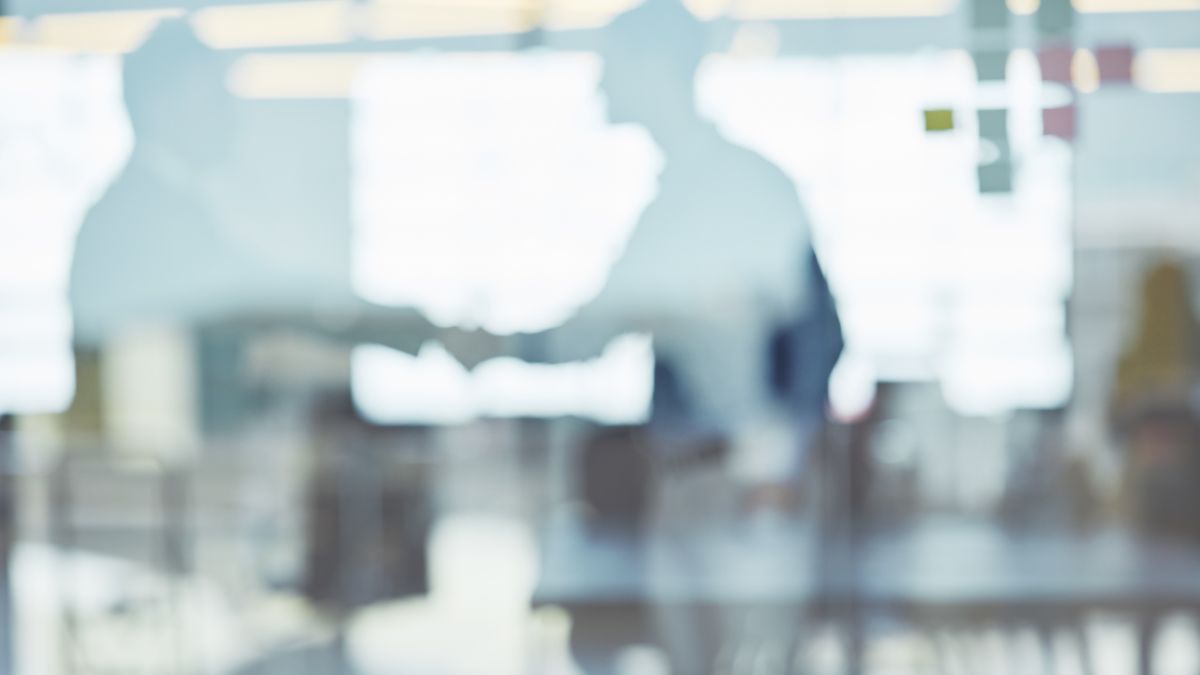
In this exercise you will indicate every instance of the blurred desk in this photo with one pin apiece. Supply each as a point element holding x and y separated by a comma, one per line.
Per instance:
<point>935,573</point>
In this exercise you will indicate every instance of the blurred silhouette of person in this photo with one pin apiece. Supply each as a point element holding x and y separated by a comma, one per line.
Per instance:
<point>718,260</point>
<point>367,517</point>
<point>1154,407</point>
<point>166,243</point>
<point>1050,486</point>
<point>804,352</point>
<point>1164,353</point>
<point>151,249</point>
<point>172,241</point>
<point>162,246</point>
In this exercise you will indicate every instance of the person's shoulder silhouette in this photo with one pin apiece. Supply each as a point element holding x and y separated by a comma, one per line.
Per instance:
<point>726,228</point>
<point>150,248</point>
<point>723,213</point>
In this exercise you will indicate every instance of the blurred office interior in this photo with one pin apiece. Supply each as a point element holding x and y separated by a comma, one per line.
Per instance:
<point>599,337</point>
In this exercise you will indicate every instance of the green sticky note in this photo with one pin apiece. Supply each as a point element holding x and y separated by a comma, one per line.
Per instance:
<point>996,177</point>
<point>990,14</point>
<point>993,125</point>
<point>990,64</point>
<point>1055,17</point>
<point>939,120</point>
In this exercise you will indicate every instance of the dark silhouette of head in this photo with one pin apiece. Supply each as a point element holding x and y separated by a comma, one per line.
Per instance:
<point>176,97</point>
<point>650,58</point>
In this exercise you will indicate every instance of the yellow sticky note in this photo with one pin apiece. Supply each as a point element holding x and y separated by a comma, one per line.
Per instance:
<point>939,120</point>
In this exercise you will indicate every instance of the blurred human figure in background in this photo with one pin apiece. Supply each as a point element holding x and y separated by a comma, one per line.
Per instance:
<point>367,513</point>
<point>1050,484</point>
<point>178,242</point>
<point>719,260</point>
<point>1154,407</point>
<point>152,249</point>
<point>170,244</point>
<point>804,351</point>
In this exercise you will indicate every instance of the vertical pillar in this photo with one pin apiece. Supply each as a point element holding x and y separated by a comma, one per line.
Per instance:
<point>8,537</point>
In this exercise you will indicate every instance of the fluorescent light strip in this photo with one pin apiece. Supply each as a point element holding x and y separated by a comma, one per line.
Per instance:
<point>585,13</point>
<point>460,5</point>
<point>708,9</point>
<point>389,21</point>
<point>9,25</point>
<point>1168,70</point>
<point>568,20</point>
<point>1023,7</point>
<point>396,19</point>
<point>116,32</point>
<point>274,24</point>
<point>309,22</point>
<point>1113,6</point>
<point>840,9</point>
<point>295,76</point>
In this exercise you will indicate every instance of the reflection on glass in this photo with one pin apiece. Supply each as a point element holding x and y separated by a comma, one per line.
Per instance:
<point>674,336</point>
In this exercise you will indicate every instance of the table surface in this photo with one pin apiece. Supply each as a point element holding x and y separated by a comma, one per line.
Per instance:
<point>935,562</point>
